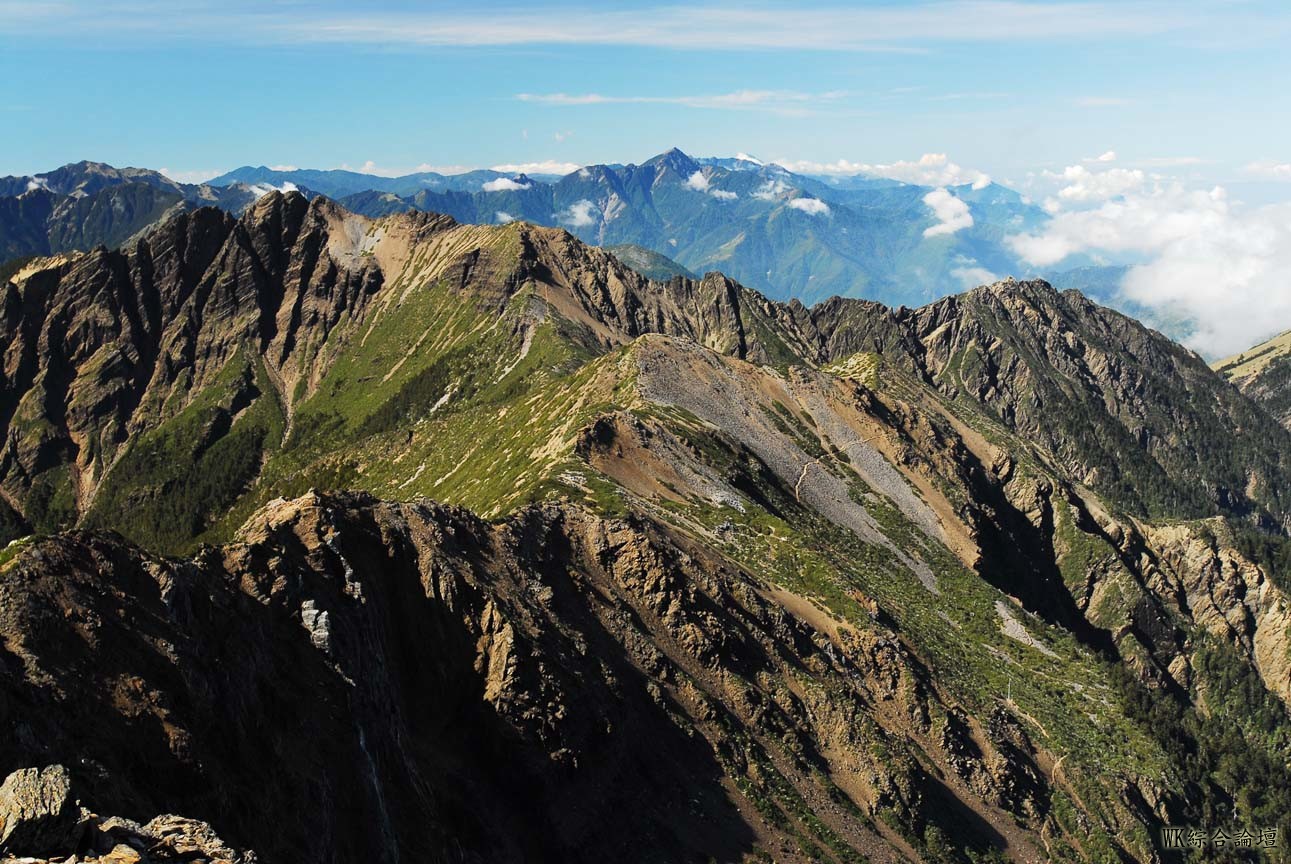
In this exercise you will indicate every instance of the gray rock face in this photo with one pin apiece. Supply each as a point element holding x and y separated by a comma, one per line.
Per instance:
<point>37,812</point>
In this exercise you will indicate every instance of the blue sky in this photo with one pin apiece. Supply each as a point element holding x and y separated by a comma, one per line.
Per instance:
<point>1153,132</point>
<point>1004,87</point>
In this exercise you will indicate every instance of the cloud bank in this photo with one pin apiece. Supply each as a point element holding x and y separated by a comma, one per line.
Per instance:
<point>930,169</point>
<point>1223,266</point>
<point>1081,184</point>
<point>548,166</point>
<point>697,182</point>
<point>263,189</point>
<point>198,176</point>
<point>1269,169</point>
<point>970,275</point>
<point>790,102</point>
<point>698,26</point>
<point>505,184</point>
<point>578,214</point>
<point>810,206</point>
<point>770,190</point>
<point>952,214</point>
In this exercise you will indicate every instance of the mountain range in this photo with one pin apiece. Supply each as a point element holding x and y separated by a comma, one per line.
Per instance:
<point>88,204</point>
<point>399,538</point>
<point>787,235</point>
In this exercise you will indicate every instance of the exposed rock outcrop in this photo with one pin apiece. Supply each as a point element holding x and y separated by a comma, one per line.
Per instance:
<point>37,811</point>
<point>40,822</point>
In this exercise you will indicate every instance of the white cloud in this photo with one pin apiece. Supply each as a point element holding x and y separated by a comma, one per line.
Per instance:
<point>504,217</point>
<point>952,214</point>
<point>700,183</point>
<point>448,170</point>
<point>191,176</point>
<point>930,169</point>
<point>1082,185</point>
<point>505,184</point>
<point>1223,267</point>
<point>971,276</point>
<point>771,189</point>
<point>775,101</point>
<point>1269,170</point>
<point>1109,156</point>
<point>371,167</point>
<point>842,167</point>
<point>548,166</point>
<point>263,189</point>
<point>578,214</point>
<point>560,137</point>
<point>697,181</point>
<point>706,26</point>
<point>744,157</point>
<point>1170,161</point>
<point>810,206</point>
<point>283,168</point>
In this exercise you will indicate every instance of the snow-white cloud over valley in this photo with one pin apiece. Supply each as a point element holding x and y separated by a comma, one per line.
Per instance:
<point>1081,184</point>
<point>263,189</point>
<point>505,184</point>
<point>1221,264</point>
<point>547,166</point>
<point>771,190</point>
<point>579,214</point>
<point>952,214</point>
<point>810,206</point>
<point>930,169</point>
<point>699,182</point>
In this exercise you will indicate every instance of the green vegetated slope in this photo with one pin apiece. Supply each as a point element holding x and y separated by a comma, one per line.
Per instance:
<point>1015,493</point>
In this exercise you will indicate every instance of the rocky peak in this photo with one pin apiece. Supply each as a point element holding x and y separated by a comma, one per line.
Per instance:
<point>676,161</point>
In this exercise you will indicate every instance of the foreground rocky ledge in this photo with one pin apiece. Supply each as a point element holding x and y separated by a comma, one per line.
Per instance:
<point>41,821</point>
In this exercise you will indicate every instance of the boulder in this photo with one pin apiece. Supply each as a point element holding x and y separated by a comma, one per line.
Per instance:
<point>37,812</point>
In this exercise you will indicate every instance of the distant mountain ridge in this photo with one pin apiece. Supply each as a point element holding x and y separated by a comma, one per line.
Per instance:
<point>88,204</point>
<point>338,183</point>
<point>788,235</point>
